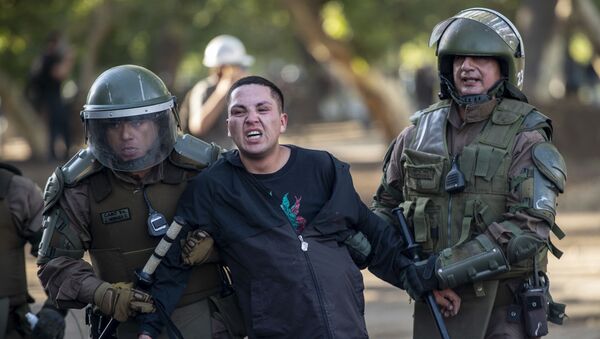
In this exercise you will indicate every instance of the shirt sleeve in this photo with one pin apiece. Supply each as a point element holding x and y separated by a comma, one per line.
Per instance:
<point>521,159</point>
<point>393,174</point>
<point>387,258</point>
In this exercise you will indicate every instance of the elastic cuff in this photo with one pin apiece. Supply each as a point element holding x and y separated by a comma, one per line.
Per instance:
<point>89,286</point>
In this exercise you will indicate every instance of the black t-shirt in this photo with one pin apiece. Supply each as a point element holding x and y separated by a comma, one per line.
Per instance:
<point>302,187</point>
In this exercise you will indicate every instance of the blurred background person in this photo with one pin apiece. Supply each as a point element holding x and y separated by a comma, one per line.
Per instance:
<point>203,111</point>
<point>21,208</point>
<point>48,73</point>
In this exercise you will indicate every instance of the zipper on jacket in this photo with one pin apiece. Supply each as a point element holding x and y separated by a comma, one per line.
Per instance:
<point>319,296</point>
<point>449,237</point>
<point>304,248</point>
<point>303,244</point>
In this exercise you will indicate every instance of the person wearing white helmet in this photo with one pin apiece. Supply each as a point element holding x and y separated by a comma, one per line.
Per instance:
<point>203,112</point>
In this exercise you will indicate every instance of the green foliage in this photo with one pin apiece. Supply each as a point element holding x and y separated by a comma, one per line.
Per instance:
<point>150,32</point>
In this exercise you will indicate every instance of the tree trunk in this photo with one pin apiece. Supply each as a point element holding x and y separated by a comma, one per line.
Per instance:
<point>100,25</point>
<point>381,100</point>
<point>589,17</point>
<point>535,20</point>
<point>23,117</point>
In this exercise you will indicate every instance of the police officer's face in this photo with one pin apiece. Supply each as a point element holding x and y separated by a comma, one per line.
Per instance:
<point>255,120</point>
<point>475,75</point>
<point>131,139</point>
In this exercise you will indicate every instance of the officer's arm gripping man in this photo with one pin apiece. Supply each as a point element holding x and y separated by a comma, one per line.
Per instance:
<point>68,279</point>
<point>538,175</point>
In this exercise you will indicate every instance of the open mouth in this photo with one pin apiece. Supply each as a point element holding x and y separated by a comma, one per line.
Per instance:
<point>253,135</point>
<point>470,81</point>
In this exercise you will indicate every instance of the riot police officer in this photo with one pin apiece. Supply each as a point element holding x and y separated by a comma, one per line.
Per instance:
<point>477,176</point>
<point>20,223</point>
<point>116,198</point>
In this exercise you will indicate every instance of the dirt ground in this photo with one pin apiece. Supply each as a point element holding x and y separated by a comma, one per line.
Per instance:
<point>574,278</point>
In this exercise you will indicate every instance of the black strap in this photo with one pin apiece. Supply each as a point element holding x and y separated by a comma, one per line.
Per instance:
<point>172,330</point>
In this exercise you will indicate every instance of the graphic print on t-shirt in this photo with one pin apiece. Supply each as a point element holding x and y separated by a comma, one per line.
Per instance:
<point>293,213</point>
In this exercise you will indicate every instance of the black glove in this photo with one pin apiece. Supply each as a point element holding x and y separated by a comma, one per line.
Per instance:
<point>420,278</point>
<point>50,324</point>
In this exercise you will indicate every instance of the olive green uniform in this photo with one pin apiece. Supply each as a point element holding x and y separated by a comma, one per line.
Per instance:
<point>494,144</point>
<point>105,213</point>
<point>20,222</point>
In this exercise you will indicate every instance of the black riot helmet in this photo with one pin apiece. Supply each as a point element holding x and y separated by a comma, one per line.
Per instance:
<point>480,32</point>
<point>130,118</point>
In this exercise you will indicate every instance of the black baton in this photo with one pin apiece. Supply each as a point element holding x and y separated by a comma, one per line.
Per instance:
<point>144,277</point>
<point>412,249</point>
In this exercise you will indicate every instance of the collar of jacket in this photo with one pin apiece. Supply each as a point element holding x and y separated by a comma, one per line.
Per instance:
<point>473,113</point>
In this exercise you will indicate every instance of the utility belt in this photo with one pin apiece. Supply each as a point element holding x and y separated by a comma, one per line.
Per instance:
<point>529,302</point>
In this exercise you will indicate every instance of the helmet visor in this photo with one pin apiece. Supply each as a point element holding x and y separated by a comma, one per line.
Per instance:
<point>132,143</point>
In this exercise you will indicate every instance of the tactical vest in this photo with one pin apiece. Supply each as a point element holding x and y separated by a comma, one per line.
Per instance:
<point>441,220</point>
<point>120,240</point>
<point>13,281</point>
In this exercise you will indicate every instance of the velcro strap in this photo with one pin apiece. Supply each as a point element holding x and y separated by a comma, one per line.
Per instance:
<point>483,162</point>
<point>466,222</point>
<point>494,162</point>
<point>513,228</point>
<point>485,242</point>
<point>467,161</point>
<point>516,181</point>
<point>558,232</point>
<point>554,250</point>
<point>420,220</point>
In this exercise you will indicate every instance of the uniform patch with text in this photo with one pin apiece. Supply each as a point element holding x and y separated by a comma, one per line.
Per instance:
<point>110,217</point>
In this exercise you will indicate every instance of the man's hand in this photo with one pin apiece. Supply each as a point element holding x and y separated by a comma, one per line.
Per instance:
<point>420,278</point>
<point>121,300</point>
<point>448,301</point>
<point>197,248</point>
<point>50,324</point>
<point>144,336</point>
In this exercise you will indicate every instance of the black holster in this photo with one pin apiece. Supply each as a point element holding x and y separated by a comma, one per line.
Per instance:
<point>96,321</point>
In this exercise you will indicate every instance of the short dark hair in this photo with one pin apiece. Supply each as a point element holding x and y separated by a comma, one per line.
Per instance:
<point>257,80</point>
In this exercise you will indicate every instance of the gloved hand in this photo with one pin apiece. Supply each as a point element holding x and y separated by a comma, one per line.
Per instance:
<point>420,278</point>
<point>197,248</point>
<point>121,300</point>
<point>359,248</point>
<point>50,324</point>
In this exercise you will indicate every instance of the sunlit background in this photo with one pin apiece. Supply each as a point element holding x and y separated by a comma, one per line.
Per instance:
<point>352,73</point>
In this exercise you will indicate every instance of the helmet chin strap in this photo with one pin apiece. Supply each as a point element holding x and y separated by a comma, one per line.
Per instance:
<point>495,91</point>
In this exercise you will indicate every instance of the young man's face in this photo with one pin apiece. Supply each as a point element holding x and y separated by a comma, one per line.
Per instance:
<point>255,120</point>
<point>474,75</point>
<point>131,140</point>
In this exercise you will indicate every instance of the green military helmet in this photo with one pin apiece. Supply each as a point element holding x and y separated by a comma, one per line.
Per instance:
<point>480,32</point>
<point>130,118</point>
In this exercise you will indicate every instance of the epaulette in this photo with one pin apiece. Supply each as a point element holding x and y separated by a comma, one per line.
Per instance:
<point>80,166</point>
<point>191,152</point>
